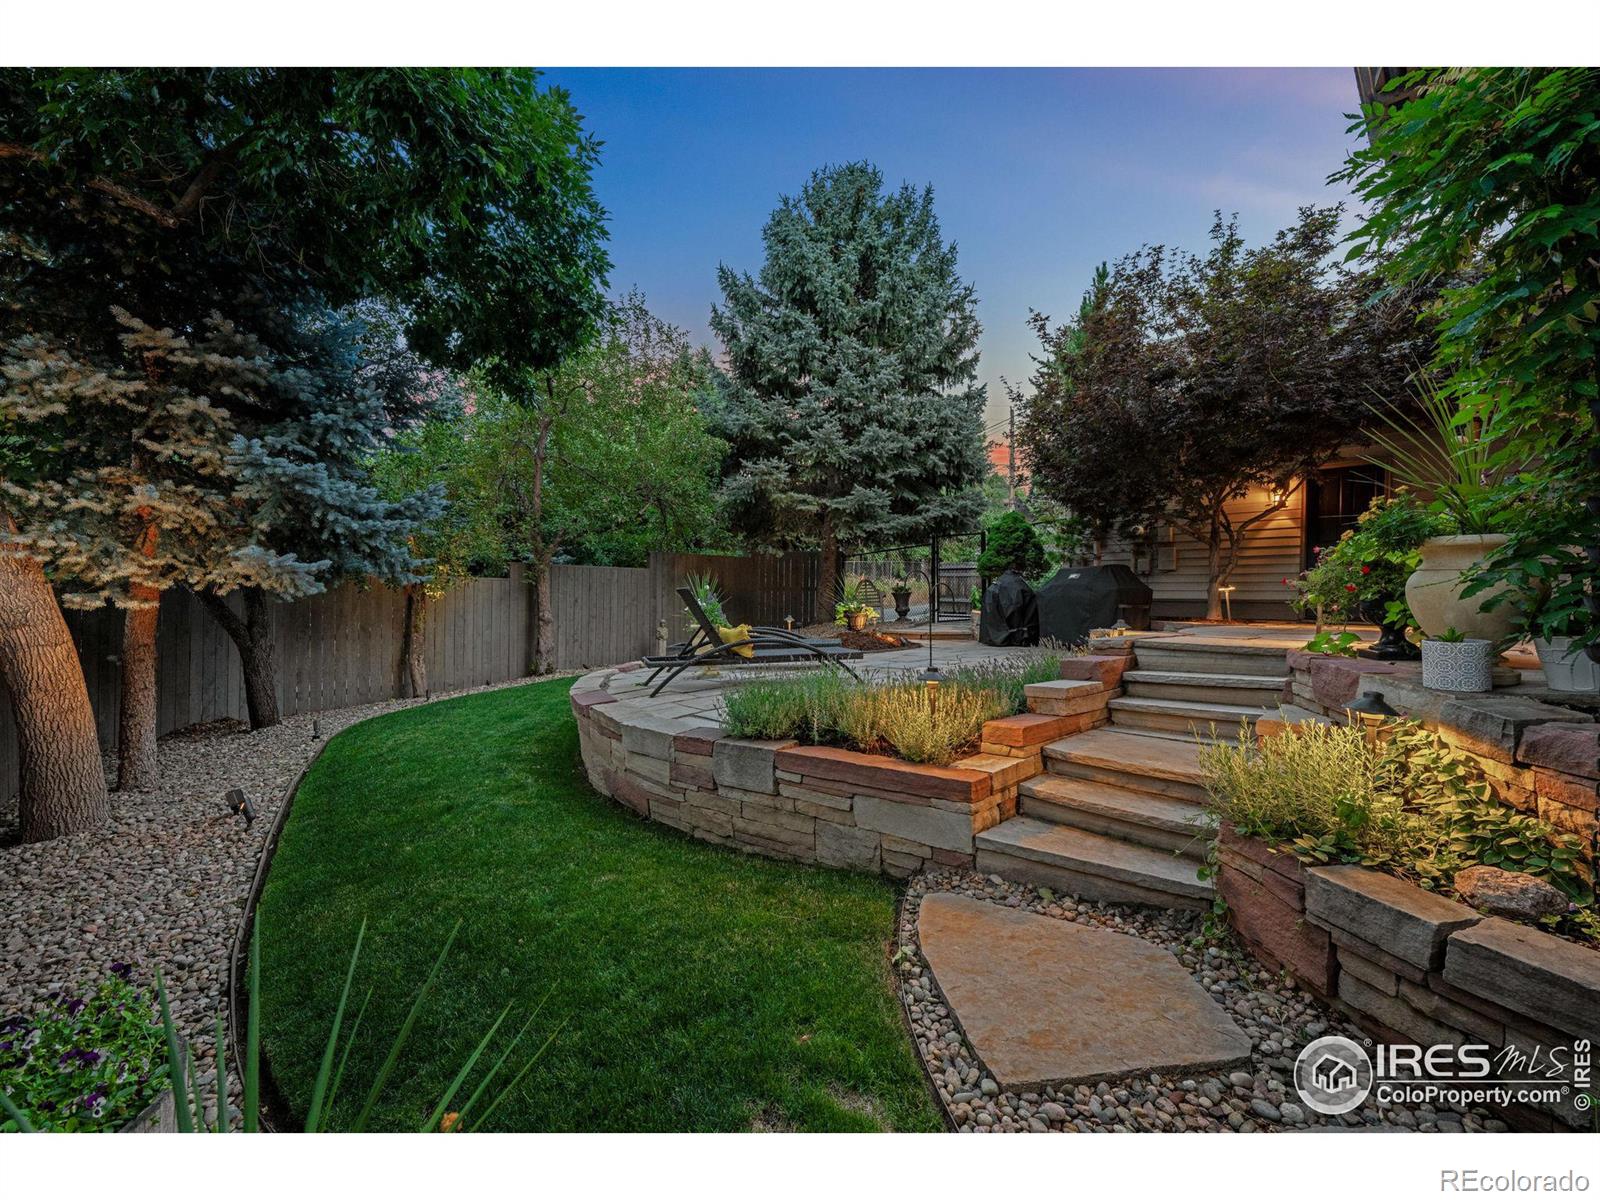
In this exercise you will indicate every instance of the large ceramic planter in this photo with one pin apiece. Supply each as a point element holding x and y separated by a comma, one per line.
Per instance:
<point>1466,666</point>
<point>1434,589</point>
<point>1566,669</point>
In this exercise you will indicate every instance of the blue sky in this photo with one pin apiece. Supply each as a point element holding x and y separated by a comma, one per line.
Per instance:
<point>1038,175</point>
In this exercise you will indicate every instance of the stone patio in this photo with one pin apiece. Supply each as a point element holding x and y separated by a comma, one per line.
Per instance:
<point>1047,1002</point>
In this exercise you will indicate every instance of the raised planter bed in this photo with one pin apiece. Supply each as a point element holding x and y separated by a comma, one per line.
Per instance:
<point>823,804</point>
<point>1265,892</point>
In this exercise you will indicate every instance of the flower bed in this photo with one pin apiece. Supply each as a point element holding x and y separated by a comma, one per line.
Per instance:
<point>84,1063</point>
<point>900,715</point>
<point>1405,805</point>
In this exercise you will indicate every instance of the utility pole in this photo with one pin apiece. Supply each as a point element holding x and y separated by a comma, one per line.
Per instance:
<point>1011,460</point>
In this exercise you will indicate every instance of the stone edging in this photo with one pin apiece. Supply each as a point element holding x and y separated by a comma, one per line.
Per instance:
<point>820,804</point>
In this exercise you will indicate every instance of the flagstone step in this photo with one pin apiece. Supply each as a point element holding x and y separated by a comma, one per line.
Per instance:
<point>1090,864</point>
<point>1160,822</point>
<point>1204,688</point>
<point>1211,658</point>
<point>1181,716</point>
<point>1158,765</point>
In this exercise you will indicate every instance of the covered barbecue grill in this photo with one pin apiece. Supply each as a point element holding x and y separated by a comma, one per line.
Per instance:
<point>1078,599</point>
<point>1010,613</point>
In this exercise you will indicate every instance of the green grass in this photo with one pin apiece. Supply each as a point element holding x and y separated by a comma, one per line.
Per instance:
<point>701,989</point>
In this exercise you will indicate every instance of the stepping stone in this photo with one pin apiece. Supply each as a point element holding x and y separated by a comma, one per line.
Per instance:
<point>1045,1001</point>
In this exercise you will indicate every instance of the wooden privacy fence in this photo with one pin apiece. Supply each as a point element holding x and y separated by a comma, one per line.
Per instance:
<point>343,647</point>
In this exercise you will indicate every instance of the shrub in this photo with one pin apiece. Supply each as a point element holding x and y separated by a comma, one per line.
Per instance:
<point>1405,805</point>
<point>85,1063</point>
<point>1012,545</point>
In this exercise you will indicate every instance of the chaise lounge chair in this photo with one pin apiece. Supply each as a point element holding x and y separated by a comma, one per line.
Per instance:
<point>765,645</point>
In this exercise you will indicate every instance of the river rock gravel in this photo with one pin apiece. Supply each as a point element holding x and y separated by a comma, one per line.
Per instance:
<point>1279,1018</point>
<point>163,885</point>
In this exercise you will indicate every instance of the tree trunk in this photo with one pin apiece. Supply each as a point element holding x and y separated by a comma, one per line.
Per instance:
<point>544,626</point>
<point>136,724</point>
<point>414,653</point>
<point>63,784</point>
<point>1214,571</point>
<point>258,652</point>
<point>828,572</point>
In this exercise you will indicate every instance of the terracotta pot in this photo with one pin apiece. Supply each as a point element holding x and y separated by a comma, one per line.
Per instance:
<point>1458,666</point>
<point>857,620</point>
<point>1566,669</point>
<point>1434,589</point>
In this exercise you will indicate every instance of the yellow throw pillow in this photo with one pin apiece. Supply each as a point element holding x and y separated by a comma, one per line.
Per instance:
<point>738,633</point>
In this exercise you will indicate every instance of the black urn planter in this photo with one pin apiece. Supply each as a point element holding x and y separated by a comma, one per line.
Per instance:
<point>902,603</point>
<point>1391,645</point>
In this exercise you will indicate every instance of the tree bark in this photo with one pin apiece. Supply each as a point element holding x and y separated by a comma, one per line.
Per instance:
<point>258,652</point>
<point>136,724</point>
<point>828,571</point>
<point>544,626</point>
<point>414,653</point>
<point>62,782</point>
<point>1214,570</point>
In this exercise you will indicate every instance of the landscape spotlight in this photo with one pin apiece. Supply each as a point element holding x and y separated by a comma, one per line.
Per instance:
<point>239,804</point>
<point>1372,711</point>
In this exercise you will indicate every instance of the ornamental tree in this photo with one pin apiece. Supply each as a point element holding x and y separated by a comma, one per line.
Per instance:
<point>1489,181</point>
<point>1237,371</point>
<point>850,402</point>
<point>1012,545</point>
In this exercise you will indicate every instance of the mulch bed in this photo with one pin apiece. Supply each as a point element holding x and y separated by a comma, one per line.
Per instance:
<point>868,641</point>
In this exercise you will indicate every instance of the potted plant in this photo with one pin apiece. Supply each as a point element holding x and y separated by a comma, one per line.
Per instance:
<point>1453,662</point>
<point>901,591</point>
<point>852,610</point>
<point>1450,454</point>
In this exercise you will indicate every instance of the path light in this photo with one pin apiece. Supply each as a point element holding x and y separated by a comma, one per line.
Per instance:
<point>1372,711</point>
<point>1227,598</point>
<point>788,623</point>
<point>239,804</point>
<point>931,679</point>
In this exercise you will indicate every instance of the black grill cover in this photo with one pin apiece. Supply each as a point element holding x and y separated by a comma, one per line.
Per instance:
<point>1010,613</point>
<point>1078,599</point>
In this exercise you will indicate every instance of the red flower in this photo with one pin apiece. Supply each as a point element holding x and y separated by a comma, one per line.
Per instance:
<point>1366,570</point>
<point>1349,587</point>
<point>1285,581</point>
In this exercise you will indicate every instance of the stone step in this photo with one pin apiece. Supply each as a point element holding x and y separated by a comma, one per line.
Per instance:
<point>1157,765</point>
<point>1211,659</point>
<point>1205,688</point>
<point>1212,721</point>
<point>1160,822</point>
<point>1090,864</point>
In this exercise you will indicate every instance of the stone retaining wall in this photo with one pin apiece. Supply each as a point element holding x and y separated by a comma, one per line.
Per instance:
<point>820,804</point>
<point>1413,967</point>
<point>1539,757</point>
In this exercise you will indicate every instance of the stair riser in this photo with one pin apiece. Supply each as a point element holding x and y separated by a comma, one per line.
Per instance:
<point>1077,883</point>
<point>1205,662</point>
<point>1189,845</point>
<point>1226,729</point>
<point>1176,788</point>
<point>1262,697</point>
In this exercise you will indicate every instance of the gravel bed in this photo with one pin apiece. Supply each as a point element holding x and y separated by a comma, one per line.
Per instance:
<point>164,885</point>
<point>1279,1018</point>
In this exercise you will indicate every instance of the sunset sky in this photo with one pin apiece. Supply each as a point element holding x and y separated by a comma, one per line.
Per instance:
<point>1038,175</point>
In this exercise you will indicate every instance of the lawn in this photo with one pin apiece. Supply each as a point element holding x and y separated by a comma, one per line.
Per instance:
<point>695,988</point>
